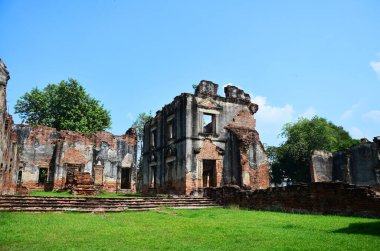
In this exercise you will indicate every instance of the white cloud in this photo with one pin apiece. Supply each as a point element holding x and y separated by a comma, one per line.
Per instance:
<point>272,114</point>
<point>375,66</point>
<point>347,114</point>
<point>271,119</point>
<point>373,116</point>
<point>309,113</point>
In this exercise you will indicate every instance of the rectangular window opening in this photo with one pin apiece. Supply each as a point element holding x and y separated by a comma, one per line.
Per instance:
<point>19,176</point>
<point>153,138</point>
<point>152,177</point>
<point>208,123</point>
<point>170,130</point>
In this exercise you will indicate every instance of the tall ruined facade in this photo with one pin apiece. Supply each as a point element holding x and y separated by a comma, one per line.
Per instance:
<point>204,140</point>
<point>42,158</point>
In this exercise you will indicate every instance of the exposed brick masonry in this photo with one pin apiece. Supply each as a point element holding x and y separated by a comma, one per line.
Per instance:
<point>317,198</point>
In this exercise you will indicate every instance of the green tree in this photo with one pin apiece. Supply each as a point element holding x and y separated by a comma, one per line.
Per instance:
<point>64,106</point>
<point>290,162</point>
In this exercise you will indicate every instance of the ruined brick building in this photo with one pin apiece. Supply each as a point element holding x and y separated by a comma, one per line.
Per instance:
<point>204,140</point>
<point>359,165</point>
<point>42,158</point>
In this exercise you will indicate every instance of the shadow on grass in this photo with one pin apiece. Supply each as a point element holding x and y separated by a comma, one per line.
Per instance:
<point>372,228</point>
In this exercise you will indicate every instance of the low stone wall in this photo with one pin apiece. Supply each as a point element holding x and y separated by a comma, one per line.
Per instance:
<point>316,198</point>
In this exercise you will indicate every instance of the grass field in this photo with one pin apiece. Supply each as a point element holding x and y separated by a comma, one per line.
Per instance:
<point>206,229</point>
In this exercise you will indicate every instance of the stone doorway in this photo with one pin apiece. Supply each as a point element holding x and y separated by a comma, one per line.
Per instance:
<point>209,173</point>
<point>125,178</point>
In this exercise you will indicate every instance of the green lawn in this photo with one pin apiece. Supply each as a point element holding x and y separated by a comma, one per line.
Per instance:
<point>68,194</point>
<point>206,229</point>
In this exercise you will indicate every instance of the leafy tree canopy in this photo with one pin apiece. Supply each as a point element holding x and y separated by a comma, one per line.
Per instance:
<point>64,106</point>
<point>291,160</point>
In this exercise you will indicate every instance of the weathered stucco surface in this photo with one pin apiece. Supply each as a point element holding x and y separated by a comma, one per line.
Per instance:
<point>204,140</point>
<point>322,166</point>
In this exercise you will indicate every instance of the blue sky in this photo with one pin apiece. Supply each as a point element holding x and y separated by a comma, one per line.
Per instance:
<point>295,58</point>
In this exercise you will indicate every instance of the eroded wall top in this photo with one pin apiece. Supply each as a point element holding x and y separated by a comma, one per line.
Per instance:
<point>4,74</point>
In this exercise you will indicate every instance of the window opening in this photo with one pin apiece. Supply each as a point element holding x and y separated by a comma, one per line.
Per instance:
<point>208,123</point>
<point>153,138</point>
<point>153,177</point>
<point>170,130</point>
<point>19,176</point>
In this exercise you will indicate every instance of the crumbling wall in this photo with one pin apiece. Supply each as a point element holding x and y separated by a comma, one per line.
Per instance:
<point>365,164</point>
<point>8,150</point>
<point>335,198</point>
<point>36,146</point>
<point>341,167</point>
<point>253,161</point>
<point>359,165</point>
<point>62,152</point>
<point>321,166</point>
<point>26,152</point>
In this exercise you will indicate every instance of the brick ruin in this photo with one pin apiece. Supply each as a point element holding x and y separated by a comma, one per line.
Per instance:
<point>42,158</point>
<point>359,165</point>
<point>335,198</point>
<point>204,140</point>
<point>200,143</point>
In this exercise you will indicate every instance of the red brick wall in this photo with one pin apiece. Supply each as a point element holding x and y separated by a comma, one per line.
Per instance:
<point>319,198</point>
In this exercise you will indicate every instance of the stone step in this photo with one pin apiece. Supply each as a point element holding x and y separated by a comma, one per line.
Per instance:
<point>98,209</point>
<point>68,209</point>
<point>62,204</point>
<point>95,198</point>
<point>94,204</point>
<point>103,202</point>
